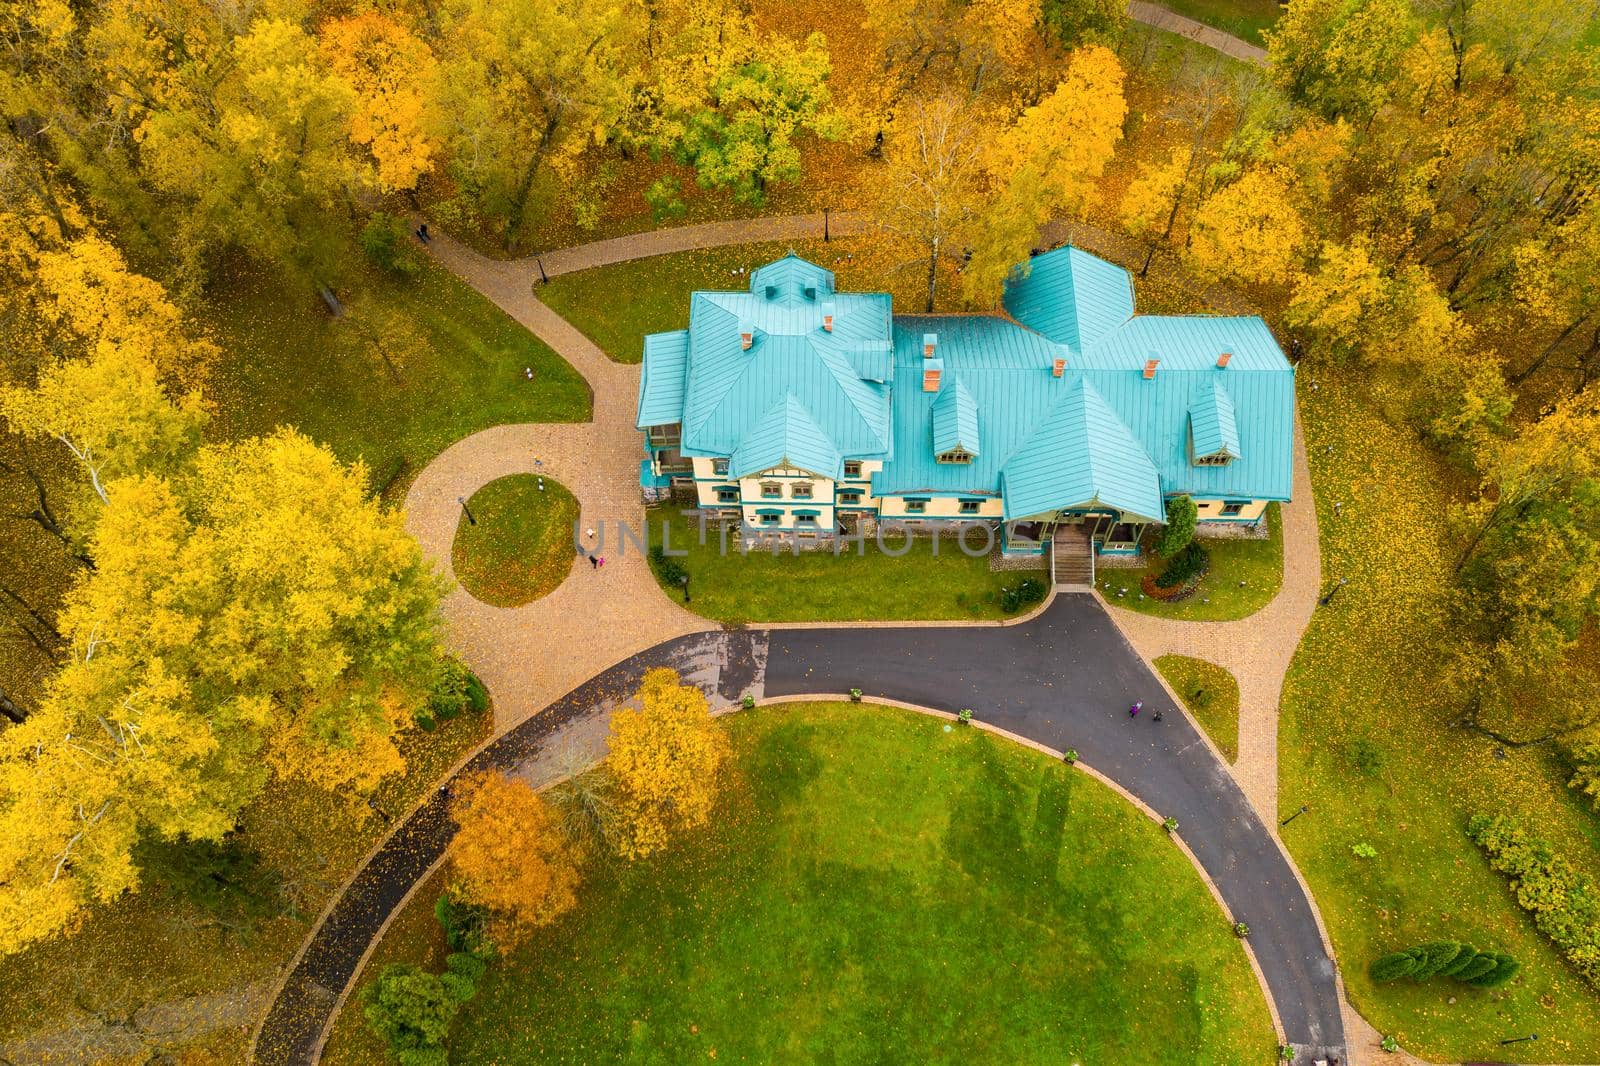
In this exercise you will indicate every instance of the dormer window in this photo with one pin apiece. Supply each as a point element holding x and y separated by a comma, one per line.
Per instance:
<point>1215,459</point>
<point>956,456</point>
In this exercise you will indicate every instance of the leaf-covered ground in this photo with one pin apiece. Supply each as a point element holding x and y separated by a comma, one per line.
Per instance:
<point>1365,741</point>
<point>519,545</point>
<point>876,887</point>
<point>287,362</point>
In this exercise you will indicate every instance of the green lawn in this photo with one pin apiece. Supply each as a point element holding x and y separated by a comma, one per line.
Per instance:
<point>285,361</point>
<point>615,306</point>
<point>518,546</point>
<point>1210,693</point>
<point>1366,743</point>
<point>1221,597</point>
<point>1242,18</point>
<point>819,586</point>
<point>879,887</point>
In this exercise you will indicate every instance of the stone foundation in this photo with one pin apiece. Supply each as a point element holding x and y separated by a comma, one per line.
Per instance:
<point>1232,530</point>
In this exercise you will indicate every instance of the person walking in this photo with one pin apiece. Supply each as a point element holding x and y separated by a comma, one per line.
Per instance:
<point>1157,716</point>
<point>1133,712</point>
<point>594,564</point>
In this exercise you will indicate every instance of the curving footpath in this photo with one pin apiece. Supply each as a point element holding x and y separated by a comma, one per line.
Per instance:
<point>1061,679</point>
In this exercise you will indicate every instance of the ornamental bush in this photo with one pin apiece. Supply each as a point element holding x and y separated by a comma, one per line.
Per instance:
<point>1564,902</point>
<point>1177,534</point>
<point>411,1010</point>
<point>1446,958</point>
<point>1024,593</point>
<point>1189,563</point>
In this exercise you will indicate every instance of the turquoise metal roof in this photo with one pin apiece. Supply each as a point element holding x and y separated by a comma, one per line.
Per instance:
<point>661,381</point>
<point>1070,296</point>
<point>728,389</point>
<point>955,419</point>
<point>827,394</point>
<point>1081,456</point>
<point>786,436</point>
<point>1212,428</point>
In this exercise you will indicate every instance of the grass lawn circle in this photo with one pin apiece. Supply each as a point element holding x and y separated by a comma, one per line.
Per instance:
<point>518,545</point>
<point>874,886</point>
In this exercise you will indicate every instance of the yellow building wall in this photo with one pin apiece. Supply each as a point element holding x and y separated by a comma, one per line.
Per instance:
<point>1213,509</point>
<point>940,507</point>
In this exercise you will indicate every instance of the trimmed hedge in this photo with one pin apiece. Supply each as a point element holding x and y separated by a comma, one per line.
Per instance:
<point>1189,563</point>
<point>1446,958</point>
<point>1564,902</point>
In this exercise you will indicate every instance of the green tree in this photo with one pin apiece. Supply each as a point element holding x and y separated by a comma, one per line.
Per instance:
<point>743,137</point>
<point>1182,515</point>
<point>411,1010</point>
<point>1340,56</point>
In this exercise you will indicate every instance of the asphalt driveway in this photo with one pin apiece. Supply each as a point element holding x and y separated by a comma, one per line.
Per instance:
<point>1066,679</point>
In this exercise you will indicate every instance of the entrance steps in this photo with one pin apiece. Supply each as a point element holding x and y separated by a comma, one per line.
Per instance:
<point>1072,556</point>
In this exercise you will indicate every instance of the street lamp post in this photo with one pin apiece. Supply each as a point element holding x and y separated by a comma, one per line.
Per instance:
<point>1323,601</point>
<point>462,500</point>
<point>1295,815</point>
<point>825,237</point>
<point>684,581</point>
<point>1520,1039</point>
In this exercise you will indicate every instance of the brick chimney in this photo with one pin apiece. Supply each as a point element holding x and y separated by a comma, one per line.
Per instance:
<point>1223,360</point>
<point>932,371</point>
<point>747,335</point>
<point>1150,368</point>
<point>827,316</point>
<point>930,341</point>
<point>1059,368</point>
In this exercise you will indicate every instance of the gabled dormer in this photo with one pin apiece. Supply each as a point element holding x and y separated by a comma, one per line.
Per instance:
<point>955,424</point>
<point>1213,430</point>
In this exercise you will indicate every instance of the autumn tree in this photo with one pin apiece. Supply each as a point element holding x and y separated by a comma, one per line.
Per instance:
<point>745,139</point>
<point>1553,280</point>
<point>931,192</point>
<point>1044,167</point>
<point>391,72</point>
<point>254,614</point>
<point>1251,230</point>
<point>1340,56</point>
<point>1528,578</point>
<point>509,856</point>
<point>527,86</point>
<point>666,756</point>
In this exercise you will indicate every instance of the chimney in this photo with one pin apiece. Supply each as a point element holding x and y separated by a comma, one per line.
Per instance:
<point>827,316</point>
<point>747,334</point>
<point>932,371</point>
<point>1223,359</point>
<point>1059,368</point>
<point>929,342</point>
<point>1150,368</point>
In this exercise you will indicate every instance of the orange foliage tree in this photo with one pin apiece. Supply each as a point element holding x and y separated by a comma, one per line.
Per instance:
<point>509,857</point>
<point>666,755</point>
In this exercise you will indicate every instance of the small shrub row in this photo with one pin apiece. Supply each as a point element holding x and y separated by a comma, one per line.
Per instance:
<point>1447,958</point>
<point>412,1009</point>
<point>1025,593</point>
<point>1564,902</point>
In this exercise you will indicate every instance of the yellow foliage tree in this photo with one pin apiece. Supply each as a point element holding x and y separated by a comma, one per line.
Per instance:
<point>509,856</point>
<point>1251,230</point>
<point>391,72</point>
<point>255,614</point>
<point>665,756</point>
<point>1333,300</point>
<point>1149,206</point>
<point>1044,167</point>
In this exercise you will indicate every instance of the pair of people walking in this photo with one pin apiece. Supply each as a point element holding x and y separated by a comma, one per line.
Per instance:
<point>1138,705</point>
